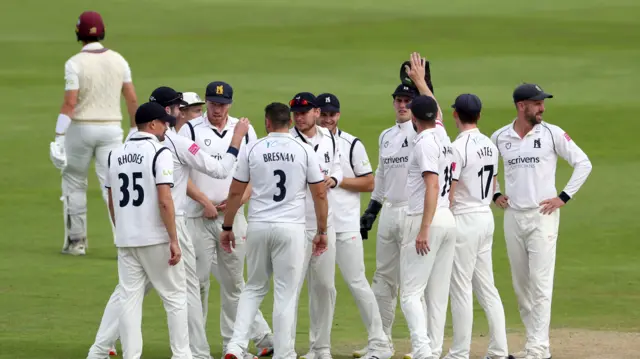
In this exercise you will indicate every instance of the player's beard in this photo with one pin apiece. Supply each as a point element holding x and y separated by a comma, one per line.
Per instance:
<point>534,118</point>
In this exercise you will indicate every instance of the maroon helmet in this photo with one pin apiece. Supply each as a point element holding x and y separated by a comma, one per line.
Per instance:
<point>90,26</point>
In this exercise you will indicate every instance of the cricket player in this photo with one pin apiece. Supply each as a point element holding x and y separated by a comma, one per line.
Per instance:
<point>319,271</point>
<point>213,135</point>
<point>187,155</point>
<point>530,148</point>
<point>474,177</point>
<point>430,229</point>
<point>357,177</point>
<point>142,209</point>
<point>390,197</point>
<point>189,111</point>
<point>280,169</point>
<point>89,123</point>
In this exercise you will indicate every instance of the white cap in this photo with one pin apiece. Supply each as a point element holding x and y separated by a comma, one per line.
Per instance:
<point>192,99</point>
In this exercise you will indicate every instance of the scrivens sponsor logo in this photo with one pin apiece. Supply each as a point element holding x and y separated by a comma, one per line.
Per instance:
<point>524,162</point>
<point>396,162</point>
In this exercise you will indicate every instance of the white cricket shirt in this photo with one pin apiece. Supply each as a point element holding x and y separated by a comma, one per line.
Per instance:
<point>135,168</point>
<point>429,154</point>
<point>354,163</point>
<point>530,163</point>
<point>187,155</point>
<point>395,146</point>
<point>476,165</point>
<point>328,156</point>
<point>215,143</point>
<point>98,74</point>
<point>279,168</point>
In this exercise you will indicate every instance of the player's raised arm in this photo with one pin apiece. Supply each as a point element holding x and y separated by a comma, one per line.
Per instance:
<point>417,72</point>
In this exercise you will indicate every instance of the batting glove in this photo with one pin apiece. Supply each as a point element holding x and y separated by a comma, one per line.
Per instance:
<point>57,153</point>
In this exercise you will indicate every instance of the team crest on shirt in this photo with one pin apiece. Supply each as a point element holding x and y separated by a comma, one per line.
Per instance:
<point>405,143</point>
<point>536,143</point>
<point>207,142</point>
<point>507,145</point>
<point>326,157</point>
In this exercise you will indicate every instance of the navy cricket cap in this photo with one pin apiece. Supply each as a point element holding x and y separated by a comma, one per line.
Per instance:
<point>303,102</point>
<point>531,92</point>
<point>468,103</point>
<point>424,108</point>
<point>166,96</point>
<point>150,111</point>
<point>404,90</point>
<point>219,92</point>
<point>328,102</point>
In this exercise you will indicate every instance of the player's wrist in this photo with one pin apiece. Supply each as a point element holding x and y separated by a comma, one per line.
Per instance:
<point>564,197</point>
<point>227,228</point>
<point>321,232</point>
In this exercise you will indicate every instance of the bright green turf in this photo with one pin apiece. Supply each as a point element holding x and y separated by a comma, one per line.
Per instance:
<point>584,53</point>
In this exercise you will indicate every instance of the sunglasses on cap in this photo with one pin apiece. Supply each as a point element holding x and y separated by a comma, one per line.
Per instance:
<point>300,102</point>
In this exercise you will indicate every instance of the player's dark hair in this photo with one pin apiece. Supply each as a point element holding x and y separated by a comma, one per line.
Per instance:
<point>89,39</point>
<point>279,114</point>
<point>468,118</point>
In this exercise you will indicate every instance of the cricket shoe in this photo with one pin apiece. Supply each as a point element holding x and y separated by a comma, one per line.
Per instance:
<point>75,247</point>
<point>240,356</point>
<point>408,356</point>
<point>265,345</point>
<point>113,352</point>
<point>525,354</point>
<point>379,355</point>
<point>313,355</point>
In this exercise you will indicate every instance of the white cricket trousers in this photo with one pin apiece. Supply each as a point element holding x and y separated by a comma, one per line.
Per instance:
<point>228,269</point>
<point>427,276</point>
<point>350,258</point>
<point>108,331</point>
<point>138,266</point>
<point>272,249</point>
<point>320,273</point>
<point>386,279</point>
<point>531,239</point>
<point>84,141</point>
<point>473,273</point>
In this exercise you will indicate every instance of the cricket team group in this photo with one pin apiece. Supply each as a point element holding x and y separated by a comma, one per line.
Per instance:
<point>177,187</point>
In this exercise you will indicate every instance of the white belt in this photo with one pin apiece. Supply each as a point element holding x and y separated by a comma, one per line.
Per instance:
<point>396,204</point>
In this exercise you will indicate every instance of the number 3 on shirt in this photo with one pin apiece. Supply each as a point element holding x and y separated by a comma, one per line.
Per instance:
<point>448,178</point>
<point>283,190</point>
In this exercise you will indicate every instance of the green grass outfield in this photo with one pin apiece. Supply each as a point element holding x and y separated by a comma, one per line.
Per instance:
<point>585,52</point>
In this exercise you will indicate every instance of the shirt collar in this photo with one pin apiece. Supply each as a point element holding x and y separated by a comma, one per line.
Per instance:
<point>230,121</point>
<point>405,125</point>
<point>466,132</point>
<point>141,135</point>
<point>279,134</point>
<point>423,133</point>
<point>535,130</point>
<point>306,139</point>
<point>92,46</point>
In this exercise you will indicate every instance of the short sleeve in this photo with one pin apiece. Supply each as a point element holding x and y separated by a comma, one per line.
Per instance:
<point>360,160</point>
<point>107,181</point>
<point>126,76</point>
<point>251,134</point>
<point>427,154</point>
<point>71,79</point>
<point>242,169</point>
<point>456,164</point>
<point>164,166</point>
<point>314,172</point>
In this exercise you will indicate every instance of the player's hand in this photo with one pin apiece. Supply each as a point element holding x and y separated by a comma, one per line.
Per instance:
<point>502,201</point>
<point>210,211</point>
<point>550,205</point>
<point>319,244</point>
<point>176,253</point>
<point>422,242</point>
<point>417,70</point>
<point>329,182</point>
<point>242,127</point>
<point>366,221</point>
<point>57,154</point>
<point>227,241</point>
<point>221,206</point>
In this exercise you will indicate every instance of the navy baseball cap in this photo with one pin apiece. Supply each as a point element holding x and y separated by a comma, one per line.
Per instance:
<point>219,92</point>
<point>404,90</point>
<point>531,92</point>
<point>328,102</point>
<point>468,103</point>
<point>424,108</point>
<point>303,102</point>
<point>166,96</point>
<point>150,111</point>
